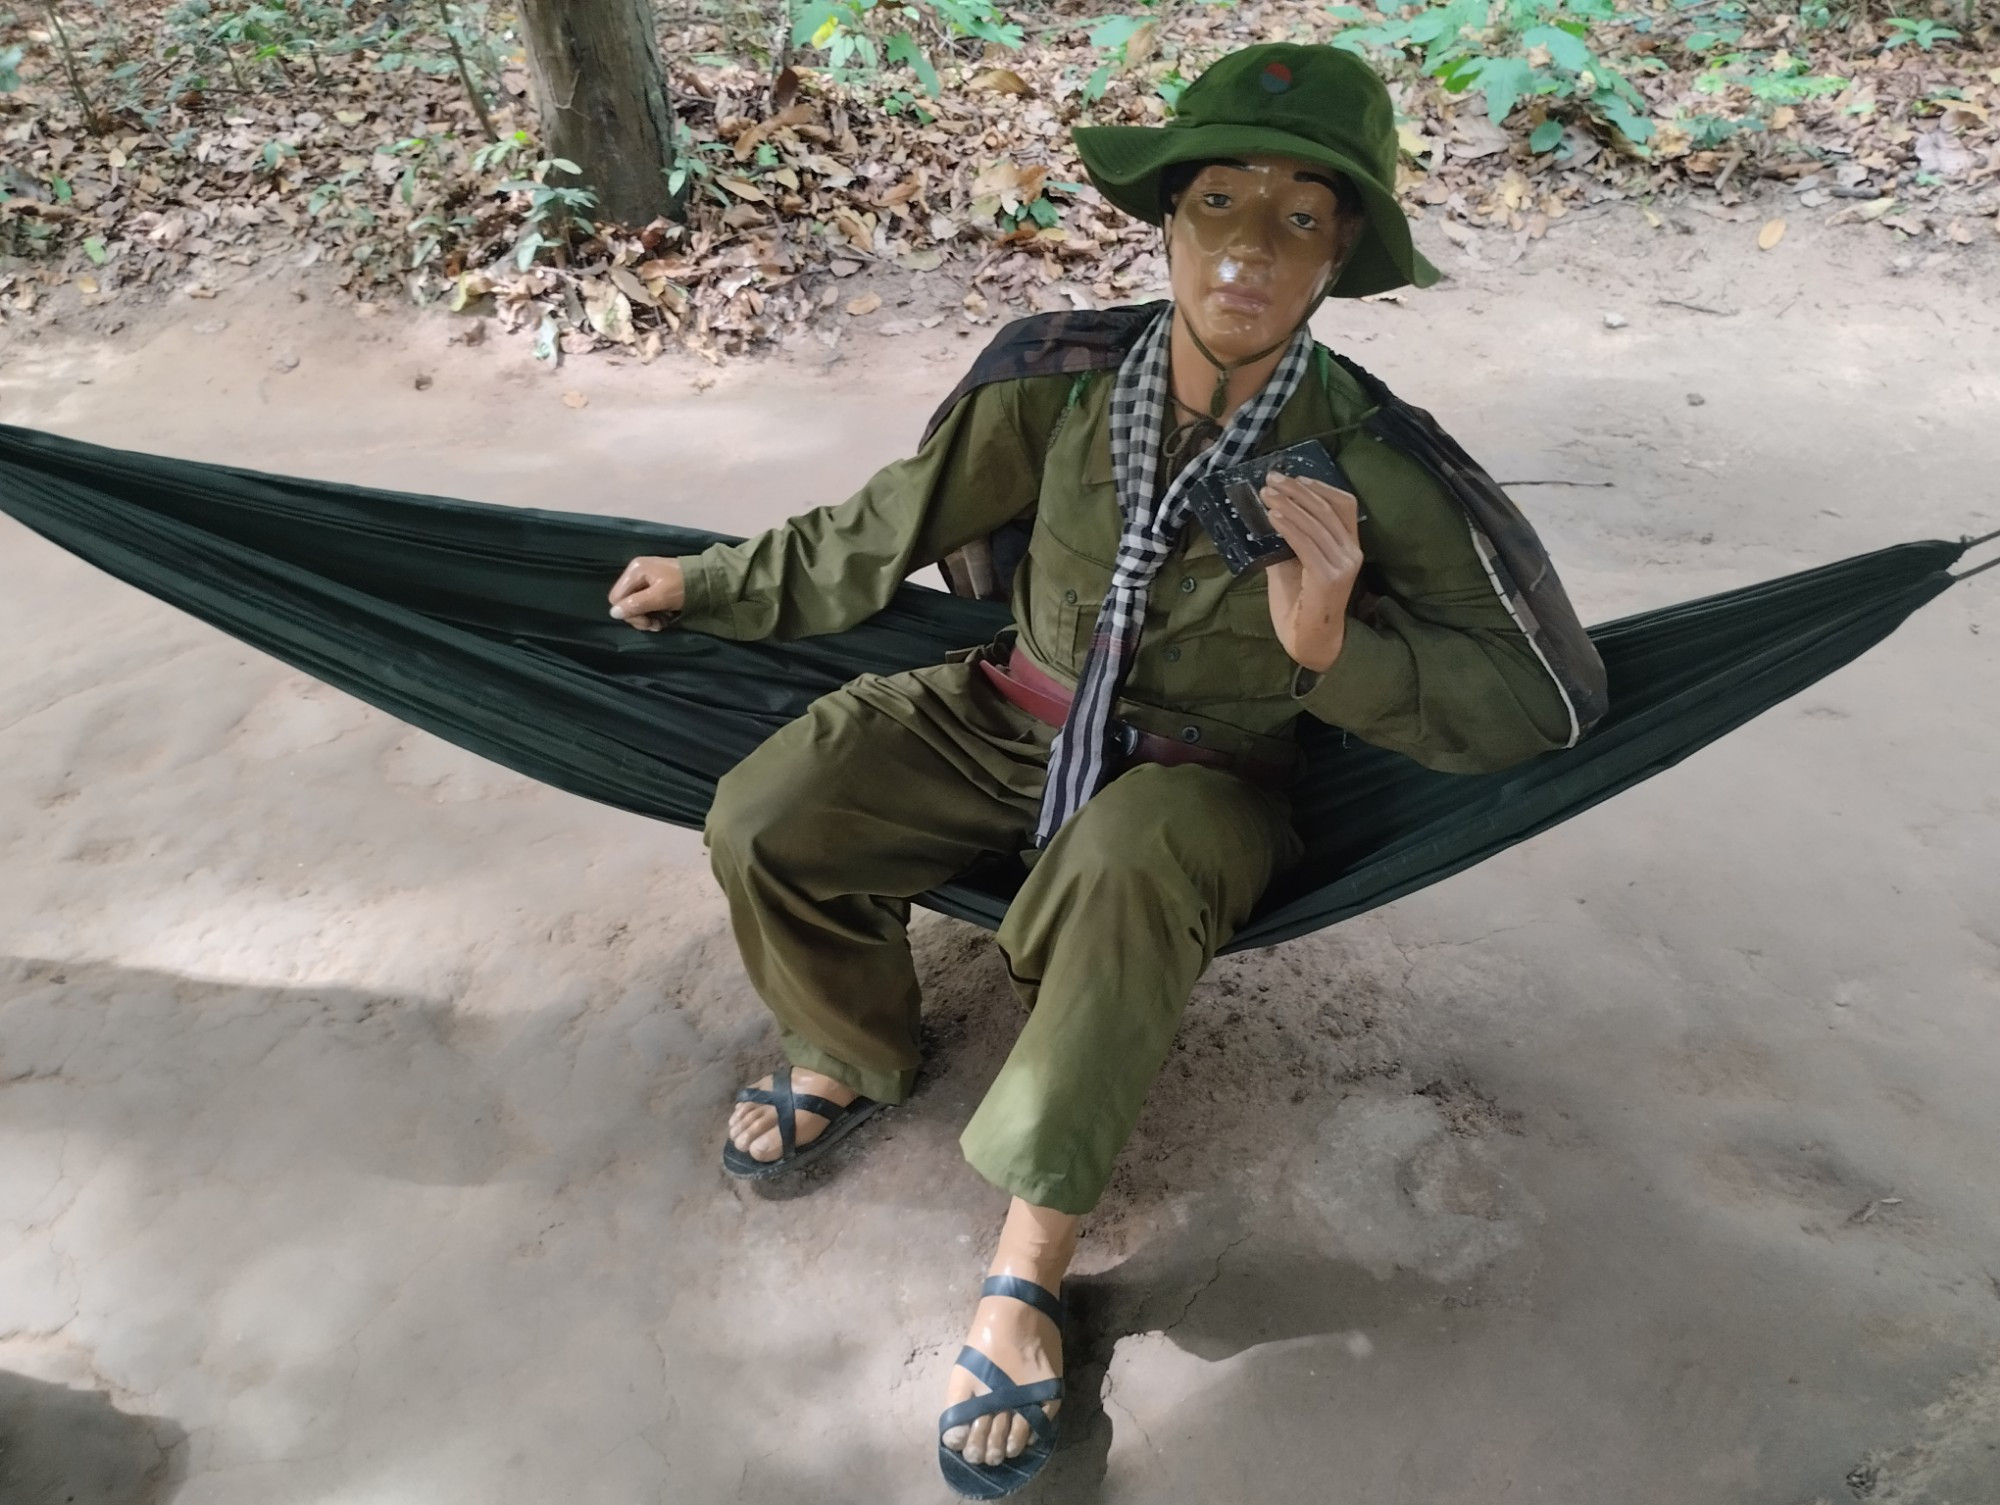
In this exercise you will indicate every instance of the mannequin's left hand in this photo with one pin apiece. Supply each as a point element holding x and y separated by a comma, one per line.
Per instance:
<point>1309,594</point>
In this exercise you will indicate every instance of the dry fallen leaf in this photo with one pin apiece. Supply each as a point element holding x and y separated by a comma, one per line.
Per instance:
<point>628,283</point>
<point>1000,80</point>
<point>609,312</point>
<point>1141,45</point>
<point>867,303</point>
<point>575,400</point>
<point>1770,235</point>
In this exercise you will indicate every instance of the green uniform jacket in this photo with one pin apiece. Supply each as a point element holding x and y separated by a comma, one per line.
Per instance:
<point>1433,664</point>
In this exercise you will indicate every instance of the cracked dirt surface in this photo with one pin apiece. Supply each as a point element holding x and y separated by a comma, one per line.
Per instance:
<point>359,1101</point>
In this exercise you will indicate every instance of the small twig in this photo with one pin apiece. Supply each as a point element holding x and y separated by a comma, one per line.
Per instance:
<point>1556,483</point>
<point>1700,308</point>
<point>1728,169</point>
<point>465,72</point>
<point>92,122</point>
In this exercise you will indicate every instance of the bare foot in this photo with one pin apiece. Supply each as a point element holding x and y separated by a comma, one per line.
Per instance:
<point>753,1127</point>
<point>1036,1245</point>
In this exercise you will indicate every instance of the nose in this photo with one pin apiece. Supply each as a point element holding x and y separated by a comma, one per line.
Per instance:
<point>1250,239</point>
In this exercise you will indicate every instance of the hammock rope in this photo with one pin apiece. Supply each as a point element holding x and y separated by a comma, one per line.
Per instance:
<point>486,626</point>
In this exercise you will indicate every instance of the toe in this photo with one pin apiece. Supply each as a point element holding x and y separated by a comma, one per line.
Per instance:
<point>1017,1436</point>
<point>748,1128</point>
<point>979,1446</point>
<point>954,1438</point>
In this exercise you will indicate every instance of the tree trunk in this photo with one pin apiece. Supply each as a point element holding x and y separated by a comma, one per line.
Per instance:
<point>602,97</point>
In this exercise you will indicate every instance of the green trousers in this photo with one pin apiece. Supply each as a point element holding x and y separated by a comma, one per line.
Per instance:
<point>890,786</point>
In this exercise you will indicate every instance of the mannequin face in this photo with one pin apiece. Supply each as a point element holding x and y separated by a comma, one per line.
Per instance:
<point>1250,245</point>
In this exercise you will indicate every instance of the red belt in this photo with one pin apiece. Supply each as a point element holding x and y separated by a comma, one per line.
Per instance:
<point>1022,683</point>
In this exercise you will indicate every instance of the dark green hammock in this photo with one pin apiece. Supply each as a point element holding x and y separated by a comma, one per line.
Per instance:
<point>487,626</point>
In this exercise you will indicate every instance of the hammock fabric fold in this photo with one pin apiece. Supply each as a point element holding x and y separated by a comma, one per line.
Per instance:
<point>486,625</point>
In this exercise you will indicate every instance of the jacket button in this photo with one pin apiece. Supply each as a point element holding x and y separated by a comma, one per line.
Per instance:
<point>1190,734</point>
<point>1187,585</point>
<point>1172,655</point>
<point>1069,598</point>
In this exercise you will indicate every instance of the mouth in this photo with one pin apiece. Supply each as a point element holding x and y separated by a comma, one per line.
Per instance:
<point>1239,299</point>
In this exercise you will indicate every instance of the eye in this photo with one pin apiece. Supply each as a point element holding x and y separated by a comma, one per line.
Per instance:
<point>1305,221</point>
<point>1215,199</point>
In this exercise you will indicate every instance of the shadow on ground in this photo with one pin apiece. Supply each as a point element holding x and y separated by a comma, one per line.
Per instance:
<point>60,1446</point>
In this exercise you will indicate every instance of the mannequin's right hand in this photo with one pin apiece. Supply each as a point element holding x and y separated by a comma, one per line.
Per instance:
<point>648,592</point>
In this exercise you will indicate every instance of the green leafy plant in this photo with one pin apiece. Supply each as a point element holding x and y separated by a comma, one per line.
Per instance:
<point>556,214</point>
<point>275,155</point>
<point>1779,79</point>
<point>339,204</point>
<point>1523,51</point>
<point>1923,31</point>
<point>1705,132</point>
<point>695,162</point>
<point>10,69</point>
<point>1113,35</point>
<point>862,36</point>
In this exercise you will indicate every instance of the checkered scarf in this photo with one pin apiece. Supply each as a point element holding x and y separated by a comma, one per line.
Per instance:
<point>1078,761</point>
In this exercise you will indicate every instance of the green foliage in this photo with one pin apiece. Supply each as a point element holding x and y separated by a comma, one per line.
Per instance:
<point>1111,36</point>
<point>1925,32</point>
<point>1776,79</point>
<point>694,164</point>
<point>10,69</point>
<point>863,36</point>
<point>1516,52</point>
<point>555,214</point>
<point>1707,132</point>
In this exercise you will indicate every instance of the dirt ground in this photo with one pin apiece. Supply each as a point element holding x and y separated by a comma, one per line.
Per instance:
<point>359,1100</point>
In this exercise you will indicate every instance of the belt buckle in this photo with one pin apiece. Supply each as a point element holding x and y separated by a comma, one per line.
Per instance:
<point>1124,740</point>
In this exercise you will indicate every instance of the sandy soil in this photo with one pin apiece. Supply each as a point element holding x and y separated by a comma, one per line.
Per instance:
<point>358,1100</point>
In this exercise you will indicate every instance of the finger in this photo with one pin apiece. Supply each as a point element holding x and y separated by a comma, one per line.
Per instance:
<point>1344,504</point>
<point>1300,526</point>
<point>1321,554</point>
<point>633,577</point>
<point>654,597</point>
<point>1320,567</point>
<point>1321,500</point>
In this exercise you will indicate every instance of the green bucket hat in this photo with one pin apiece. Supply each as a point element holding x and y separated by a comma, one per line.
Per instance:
<point>1319,104</point>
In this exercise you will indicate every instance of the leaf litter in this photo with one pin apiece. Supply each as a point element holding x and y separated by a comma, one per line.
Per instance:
<point>799,179</point>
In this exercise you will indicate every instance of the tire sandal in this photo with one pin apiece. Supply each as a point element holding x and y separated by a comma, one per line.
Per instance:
<point>839,1122</point>
<point>991,1481</point>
